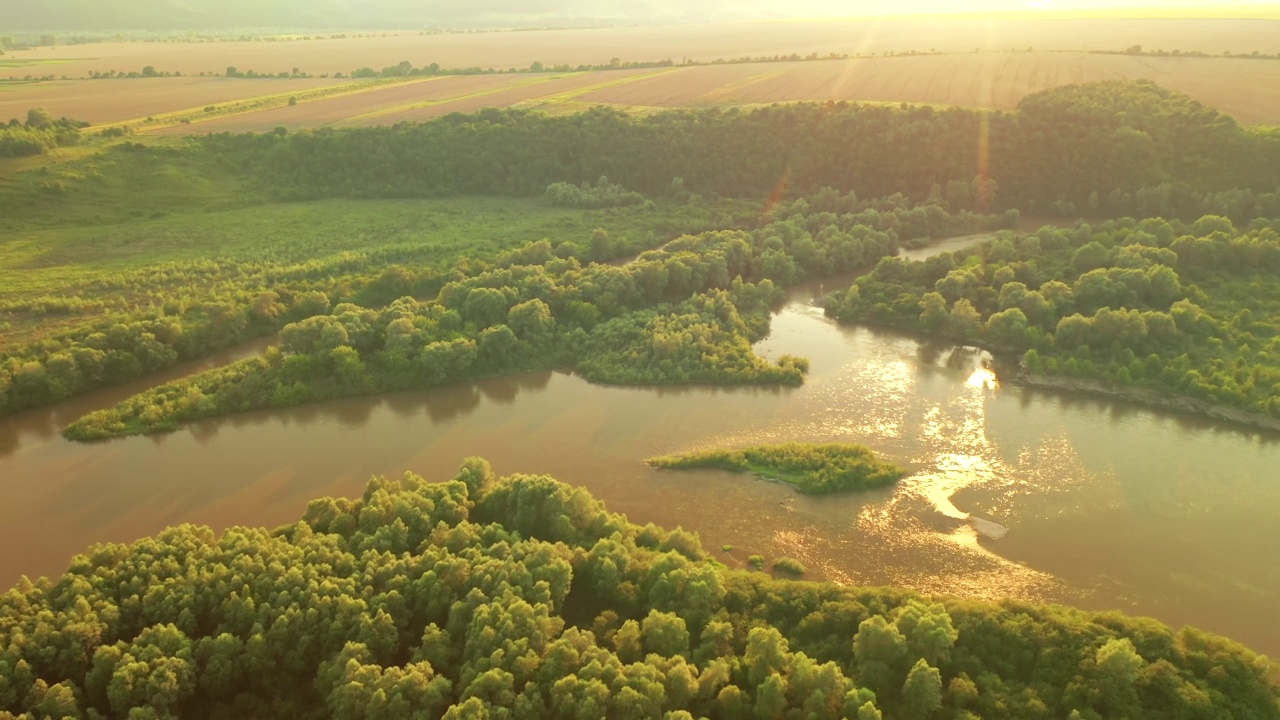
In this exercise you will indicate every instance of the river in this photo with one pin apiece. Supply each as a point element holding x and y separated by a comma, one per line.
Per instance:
<point>1107,505</point>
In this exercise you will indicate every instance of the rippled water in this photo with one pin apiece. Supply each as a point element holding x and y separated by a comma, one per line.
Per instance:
<point>1106,505</point>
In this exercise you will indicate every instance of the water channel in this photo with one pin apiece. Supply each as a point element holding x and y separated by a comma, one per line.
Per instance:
<point>1107,505</point>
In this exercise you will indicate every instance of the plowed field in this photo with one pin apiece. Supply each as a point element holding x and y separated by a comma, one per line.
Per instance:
<point>105,101</point>
<point>708,41</point>
<point>1246,89</point>
<point>414,101</point>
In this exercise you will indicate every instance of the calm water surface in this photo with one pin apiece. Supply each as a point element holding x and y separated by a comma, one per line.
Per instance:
<point>1107,505</point>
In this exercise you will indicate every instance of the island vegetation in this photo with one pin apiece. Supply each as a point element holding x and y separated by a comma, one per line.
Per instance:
<point>521,597</point>
<point>813,469</point>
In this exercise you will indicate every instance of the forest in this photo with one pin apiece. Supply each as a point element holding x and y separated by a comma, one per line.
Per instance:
<point>811,469</point>
<point>1184,308</point>
<point>522,597</point>
<point>698,170</point>
<point>1109,149</point>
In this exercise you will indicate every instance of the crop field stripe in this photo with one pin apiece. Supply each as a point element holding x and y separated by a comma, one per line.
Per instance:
<point>567,97</point>
<point>250,105</point>
<point>719,94</point>
<point>517,83</point>
<point>34,62</point>
<point>571,107</point>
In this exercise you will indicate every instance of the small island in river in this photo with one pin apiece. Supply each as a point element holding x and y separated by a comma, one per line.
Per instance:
<point>812,469</point>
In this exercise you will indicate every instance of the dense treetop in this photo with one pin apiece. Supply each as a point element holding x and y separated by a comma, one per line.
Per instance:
<point>811,468</point>
<point>522,597</point>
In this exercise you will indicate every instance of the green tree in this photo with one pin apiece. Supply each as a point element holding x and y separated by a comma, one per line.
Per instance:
<point>1090,256</point>
<point>531,321</point>
<point>1008,328</point>
<point>39,119</point>
<point>922,691</point>
<point>966,321</point>
<point>485,307</point>
<point>880,649</point>
<point>933,311</point>
<point>665,634</point>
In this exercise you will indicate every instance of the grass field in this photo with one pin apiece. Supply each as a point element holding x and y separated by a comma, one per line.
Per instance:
<point>126,231</point>
<point>506,50</point>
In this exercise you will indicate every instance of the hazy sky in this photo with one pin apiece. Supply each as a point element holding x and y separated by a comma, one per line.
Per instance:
<point>876,7</point>
<point>36,15</point>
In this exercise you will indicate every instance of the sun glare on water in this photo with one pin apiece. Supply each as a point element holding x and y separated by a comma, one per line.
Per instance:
<point>984,378</point>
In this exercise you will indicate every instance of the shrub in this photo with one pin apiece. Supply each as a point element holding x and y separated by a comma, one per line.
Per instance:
<point>789,565</point>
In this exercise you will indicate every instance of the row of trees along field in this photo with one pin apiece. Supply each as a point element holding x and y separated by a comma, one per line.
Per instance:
<point>687,312</point>
<point>1106,148</point>
<point>1191,309</point>
<point>522,597</point>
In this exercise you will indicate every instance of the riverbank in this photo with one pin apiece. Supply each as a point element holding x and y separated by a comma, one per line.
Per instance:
<point>1010,369</point>
<point>1148,397</point>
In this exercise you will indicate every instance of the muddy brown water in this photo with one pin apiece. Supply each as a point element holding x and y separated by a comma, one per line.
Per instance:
<point>1107,505</point>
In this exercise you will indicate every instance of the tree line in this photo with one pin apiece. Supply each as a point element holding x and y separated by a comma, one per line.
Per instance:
<point>1076,148</point>
<point>522,597</point>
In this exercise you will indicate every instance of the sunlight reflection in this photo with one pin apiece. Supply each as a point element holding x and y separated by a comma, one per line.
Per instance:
<point>984,378</point>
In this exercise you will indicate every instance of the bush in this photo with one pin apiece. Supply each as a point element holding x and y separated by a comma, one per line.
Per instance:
<point>789,565</point>
<point>603,195</point>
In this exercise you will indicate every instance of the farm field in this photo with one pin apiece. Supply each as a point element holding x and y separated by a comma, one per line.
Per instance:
<point>703,42</point>
<point>411,101</point>
<point>1249,90</point>
<point>106,101</point>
